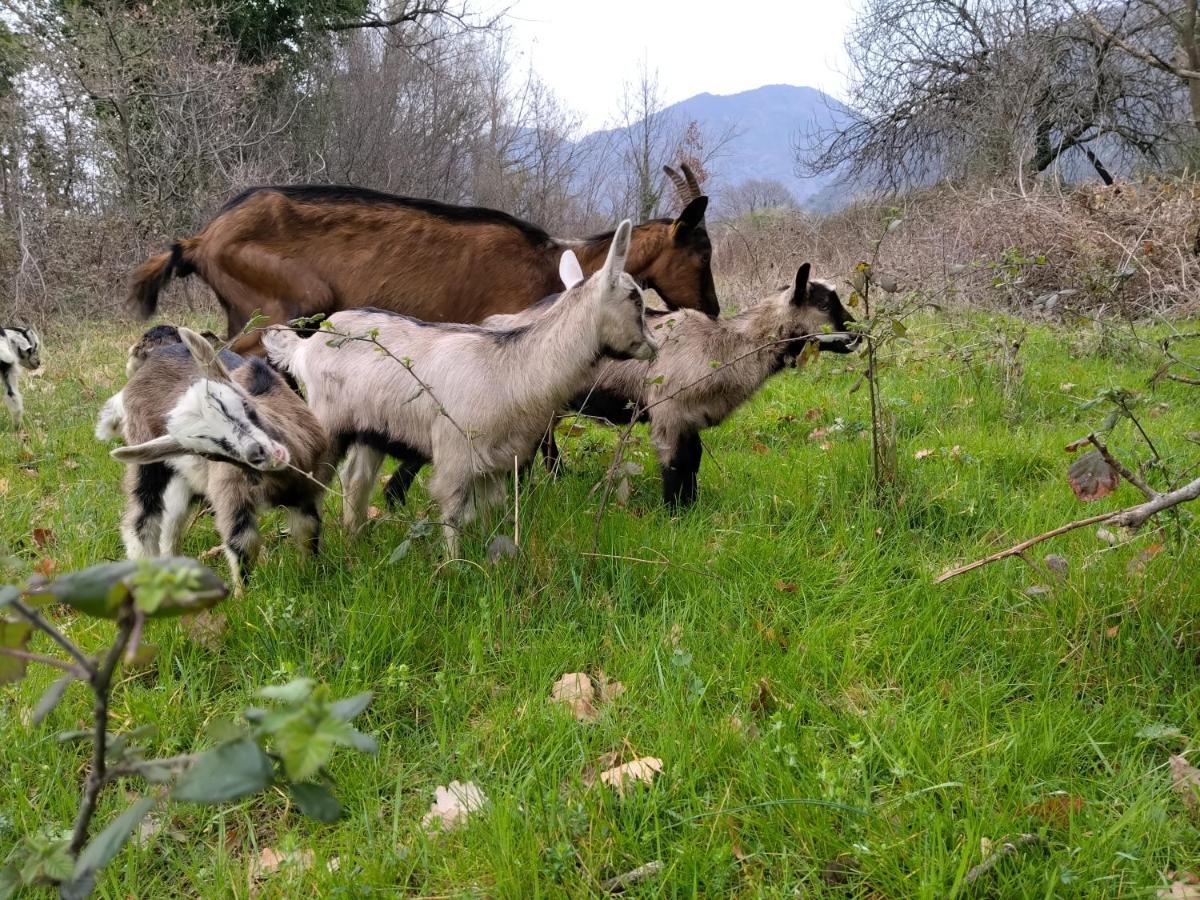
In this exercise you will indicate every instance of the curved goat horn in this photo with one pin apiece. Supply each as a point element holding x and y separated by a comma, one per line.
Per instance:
<point>691,180</point>
<point>681,187</point>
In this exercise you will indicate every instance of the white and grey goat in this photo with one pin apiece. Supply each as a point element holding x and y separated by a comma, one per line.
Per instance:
<point>222,427</point>
<point>469,399</point>
<point>20,348</point>
<point>705,369</point>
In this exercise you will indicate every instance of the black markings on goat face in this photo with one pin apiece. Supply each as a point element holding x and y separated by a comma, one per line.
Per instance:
<point>825,312</point>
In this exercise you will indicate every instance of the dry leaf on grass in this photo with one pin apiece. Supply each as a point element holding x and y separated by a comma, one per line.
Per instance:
<point>1138,563</point>
<point>1181,886</point>
<point>788,587</point>
<point>374,512</point>
<point>1057,808</point>
<point>608,689</point>
<point>206,628</point>
<point>640,770</point>
<point>1185,779</point>
<point>43,537</point>
<point>270,860</point>
<point>45,567</point>
<point>211,553</point>
<point>452,805</point>
<point>574,690</point>
<point>922,454</point>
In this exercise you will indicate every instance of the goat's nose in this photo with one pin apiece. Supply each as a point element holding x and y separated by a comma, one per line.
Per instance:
<point>256,454</point>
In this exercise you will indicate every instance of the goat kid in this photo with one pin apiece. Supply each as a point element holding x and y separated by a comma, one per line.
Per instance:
<point>111,421</point>
<point>469,399</point>
<point>202,425</point>
<point>705,370</point>
<point>20,348</point>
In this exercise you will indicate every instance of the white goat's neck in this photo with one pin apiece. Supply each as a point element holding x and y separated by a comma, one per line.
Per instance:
<point>558,351</point>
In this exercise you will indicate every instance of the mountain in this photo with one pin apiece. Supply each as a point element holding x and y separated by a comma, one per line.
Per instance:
<point>768,121</point>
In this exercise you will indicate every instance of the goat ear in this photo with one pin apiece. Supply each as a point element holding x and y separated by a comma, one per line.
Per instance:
<point>800,291</point>
<point>618,251</point>
<point>569,270</point>
<point>692,215</point>
<point>205,354</point>
<point>151,451</point>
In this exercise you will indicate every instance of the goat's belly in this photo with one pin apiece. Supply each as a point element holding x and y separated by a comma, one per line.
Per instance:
<point>193,470</point>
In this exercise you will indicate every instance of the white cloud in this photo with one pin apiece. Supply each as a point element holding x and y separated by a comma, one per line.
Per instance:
<point>587,51</point>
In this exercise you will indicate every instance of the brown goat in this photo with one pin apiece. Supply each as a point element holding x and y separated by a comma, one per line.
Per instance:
<point>289,252</point>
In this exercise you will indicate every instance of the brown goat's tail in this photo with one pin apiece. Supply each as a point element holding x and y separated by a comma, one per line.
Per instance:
<point>152,276</point>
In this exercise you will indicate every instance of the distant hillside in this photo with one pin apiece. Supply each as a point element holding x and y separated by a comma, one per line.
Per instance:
<point>768,120</point>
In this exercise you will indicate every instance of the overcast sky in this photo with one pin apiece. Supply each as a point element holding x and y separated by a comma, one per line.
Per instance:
<point>587,51</point>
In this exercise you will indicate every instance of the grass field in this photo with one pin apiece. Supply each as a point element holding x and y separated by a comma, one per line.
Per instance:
<point>829,721</point>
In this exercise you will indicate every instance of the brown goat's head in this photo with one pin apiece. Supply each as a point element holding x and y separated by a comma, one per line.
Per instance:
<point>681,271</point>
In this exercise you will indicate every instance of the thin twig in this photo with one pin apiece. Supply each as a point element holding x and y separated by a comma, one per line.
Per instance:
<point>1121,469</point>
<point>36,619</point>
<point>16,653</point>
<point>1130,517</point>
<point>101,683</point>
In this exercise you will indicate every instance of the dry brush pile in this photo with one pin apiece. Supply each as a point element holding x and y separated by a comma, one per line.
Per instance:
<point>1130,248</point>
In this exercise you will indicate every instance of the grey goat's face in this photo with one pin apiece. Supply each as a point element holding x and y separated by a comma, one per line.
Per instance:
<point>622,318</point>
<point>624,325</point>
<point>814,313</point>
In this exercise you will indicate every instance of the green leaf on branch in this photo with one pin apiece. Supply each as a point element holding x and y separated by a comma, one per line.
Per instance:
<point>348,709</point>
<point>169,586</point>
<point>228,772</point>
<point>293,692</point>
<point>50,698</point>
<point>42,858</point>
<point>14,635</point>
<point>8,594</point>
<point>306,743</point>
<point>101,849</point>
<point>898,328</point>
<point>316,802</point>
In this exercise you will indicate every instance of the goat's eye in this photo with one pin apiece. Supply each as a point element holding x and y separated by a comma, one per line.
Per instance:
<point>252,416</point>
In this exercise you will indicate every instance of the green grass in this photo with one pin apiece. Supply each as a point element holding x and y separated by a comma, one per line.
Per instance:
<point>884,721</point>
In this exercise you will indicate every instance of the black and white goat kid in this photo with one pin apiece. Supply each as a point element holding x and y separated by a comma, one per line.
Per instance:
<point>480,397</point>
<point>222,427</point>
<point>20,348</point>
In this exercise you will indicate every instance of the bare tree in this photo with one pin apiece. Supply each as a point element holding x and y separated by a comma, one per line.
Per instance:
<point>756,195</point>
<point>952,87</point>
<point>1162,36</point>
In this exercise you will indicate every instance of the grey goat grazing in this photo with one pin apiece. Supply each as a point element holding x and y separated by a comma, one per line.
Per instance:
<point>705,370</point>
<point>469,399</point>
<point>225,428</point>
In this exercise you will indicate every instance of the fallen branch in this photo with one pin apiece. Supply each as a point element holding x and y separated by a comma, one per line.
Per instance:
<point>1182,379</point>
<point>632,877</point>
<point>1006,849</point>
<point>1130,517</point>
